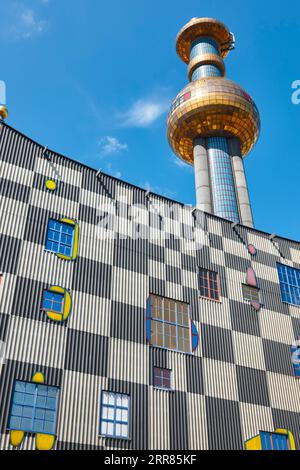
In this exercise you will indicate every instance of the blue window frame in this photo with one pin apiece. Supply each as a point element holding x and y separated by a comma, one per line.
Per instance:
<point>289,279</point>
<point>295,351</point>
<point>273,441</point>
<point>53,301</point>
<point>60,237</point>
<point>170,324</point>
<point>34,408</point>
<point>114,415</point>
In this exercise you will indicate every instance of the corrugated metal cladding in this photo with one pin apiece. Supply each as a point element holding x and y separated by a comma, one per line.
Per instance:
<point>238,381</point>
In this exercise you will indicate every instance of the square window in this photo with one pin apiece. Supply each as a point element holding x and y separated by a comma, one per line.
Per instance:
<point>33,415</point>
<point>168,323</point>
<point>60,237</point>
<point>162,378</point>
<point>250,293</point>
<point>53,301</point>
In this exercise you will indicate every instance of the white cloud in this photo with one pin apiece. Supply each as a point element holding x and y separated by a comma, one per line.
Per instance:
<point>144,112</point>
<point>111,145</point>
<point>180,163</point>
<point>24,23</point>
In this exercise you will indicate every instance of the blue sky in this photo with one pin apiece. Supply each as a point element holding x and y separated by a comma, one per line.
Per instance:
<point>93,80</point>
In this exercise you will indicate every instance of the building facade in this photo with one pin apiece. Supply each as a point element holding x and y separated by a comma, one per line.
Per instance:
<point>239,379</point>
<point>131,321</point>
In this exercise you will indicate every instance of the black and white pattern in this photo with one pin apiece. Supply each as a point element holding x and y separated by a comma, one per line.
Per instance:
<point>240,379</point>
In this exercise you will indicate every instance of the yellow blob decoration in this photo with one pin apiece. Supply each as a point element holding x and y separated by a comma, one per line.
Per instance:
<point>38,378</point>
<point>16,438</point>
<point>67,305</point>
<point>51,185</point>
<point>42,441</point>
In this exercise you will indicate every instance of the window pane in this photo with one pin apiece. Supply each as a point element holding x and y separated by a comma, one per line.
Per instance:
<point>125,401</point>
<point>60,237</point>
<point>113,413</point>
<point>104,427</point>
<point>250,293</point>
<point>33,414</point>
<point>124,432</point>
<point>110,429</point>
<point>162,378</point>
<point>118,429</point>
<point>164,332</point>
<point>208,284</point>
<point>125,416</point>
<point>289,284</point>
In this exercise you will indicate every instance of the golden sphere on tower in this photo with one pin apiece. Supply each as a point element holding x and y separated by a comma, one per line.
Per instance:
<point>212,106</point>
<point>3,112</point>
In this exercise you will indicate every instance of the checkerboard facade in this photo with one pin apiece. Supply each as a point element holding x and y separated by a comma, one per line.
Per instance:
<point>240,379</point>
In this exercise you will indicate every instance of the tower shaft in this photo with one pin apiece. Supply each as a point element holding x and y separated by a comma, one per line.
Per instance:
<point>220,181</point>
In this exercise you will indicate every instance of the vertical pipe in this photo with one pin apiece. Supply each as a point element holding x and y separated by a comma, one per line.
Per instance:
<point>241,183</point>
<point>202,180</point>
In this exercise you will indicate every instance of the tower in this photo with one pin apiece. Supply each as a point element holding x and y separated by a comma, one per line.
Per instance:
<point>213,123</point>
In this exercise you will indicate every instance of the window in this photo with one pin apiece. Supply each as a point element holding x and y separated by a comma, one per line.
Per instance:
<point>114,415</point>
<point>289,279</point>
<point>206,71</point>
<point>170,324</point>
<point>204,45</point>
<point>162,378</point>
<point>60,238</point>
<point>34,408</point>
<point>209,284</point>
<point>53,301</point>
<point>272,441</point>
<point>295,351</point>
<point>250,293</point>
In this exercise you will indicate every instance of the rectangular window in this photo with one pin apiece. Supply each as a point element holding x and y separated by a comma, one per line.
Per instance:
<point>273,441</point>
<point>295,351</point>
<point>209,284</point>
<point>170,324</point>
<point>289,279</point>
<point>53,301</point>
<point>162,378</point>
<point>60,237</point>
<point>114,415</point>
<point>34,408</point>
<point>250,293</point>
